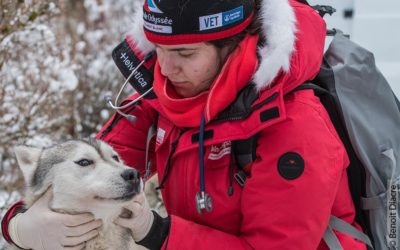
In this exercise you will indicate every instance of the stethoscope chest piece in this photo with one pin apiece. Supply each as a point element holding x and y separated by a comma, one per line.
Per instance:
<point>203,201</point>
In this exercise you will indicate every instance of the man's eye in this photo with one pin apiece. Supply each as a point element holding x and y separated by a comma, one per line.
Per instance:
<point>115,158</point>
<point>84,162</point>
<point>185,54</point>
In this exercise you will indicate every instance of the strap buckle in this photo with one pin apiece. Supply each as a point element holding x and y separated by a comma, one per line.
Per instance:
<point>240,177</point>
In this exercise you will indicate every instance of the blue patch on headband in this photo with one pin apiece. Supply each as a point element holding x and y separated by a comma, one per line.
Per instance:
<point>232,16</point>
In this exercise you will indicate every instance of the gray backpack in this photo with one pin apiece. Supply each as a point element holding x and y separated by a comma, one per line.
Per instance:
<point>366,115</point>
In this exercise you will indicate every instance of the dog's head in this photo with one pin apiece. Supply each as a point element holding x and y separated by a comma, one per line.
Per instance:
<point>84,176</point>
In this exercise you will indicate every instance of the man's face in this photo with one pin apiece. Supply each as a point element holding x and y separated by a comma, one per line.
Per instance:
<point>190,68</point>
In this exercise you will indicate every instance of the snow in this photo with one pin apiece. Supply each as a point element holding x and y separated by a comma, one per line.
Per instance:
<point>54,72</point>
<point>8,117</point>
<point>67,80</point>
<point>52,6</point>
<point>104,114</point>
<point>39,141</point>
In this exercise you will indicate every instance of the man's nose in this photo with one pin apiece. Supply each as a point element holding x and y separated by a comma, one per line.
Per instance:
<point>168,65</point>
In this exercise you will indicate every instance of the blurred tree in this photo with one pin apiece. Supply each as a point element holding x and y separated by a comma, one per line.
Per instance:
<point>55,69</point>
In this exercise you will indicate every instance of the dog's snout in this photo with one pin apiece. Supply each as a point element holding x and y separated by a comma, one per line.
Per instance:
<point>130,175</point>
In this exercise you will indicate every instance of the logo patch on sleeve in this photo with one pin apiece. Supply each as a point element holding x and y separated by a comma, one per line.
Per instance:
<point>291,165</point>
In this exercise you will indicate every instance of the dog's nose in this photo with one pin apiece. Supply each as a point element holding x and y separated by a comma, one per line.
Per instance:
<point>130,175</point>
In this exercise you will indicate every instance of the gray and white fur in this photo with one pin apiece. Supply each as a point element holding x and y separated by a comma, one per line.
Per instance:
<point>83,177</point>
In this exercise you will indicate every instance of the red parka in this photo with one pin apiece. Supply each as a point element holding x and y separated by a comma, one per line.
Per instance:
<point>276,208</point>
<point>298,179</point>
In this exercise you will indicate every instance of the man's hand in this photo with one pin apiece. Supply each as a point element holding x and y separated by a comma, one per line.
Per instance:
<point>39,228</point>
<point>141,220</point>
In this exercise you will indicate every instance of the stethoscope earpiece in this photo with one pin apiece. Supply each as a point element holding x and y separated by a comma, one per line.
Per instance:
<point>115,106</point>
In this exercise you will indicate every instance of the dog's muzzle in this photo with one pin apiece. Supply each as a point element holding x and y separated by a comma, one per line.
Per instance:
<point>132,181</point>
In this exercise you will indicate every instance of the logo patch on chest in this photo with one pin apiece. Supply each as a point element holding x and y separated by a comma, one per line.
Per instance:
<point>220,150</point>
<point>160,135</point>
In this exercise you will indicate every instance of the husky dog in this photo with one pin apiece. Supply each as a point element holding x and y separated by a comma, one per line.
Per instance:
<point>84,176</point>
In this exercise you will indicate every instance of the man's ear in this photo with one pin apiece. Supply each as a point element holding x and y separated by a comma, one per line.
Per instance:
<point>27,158</point>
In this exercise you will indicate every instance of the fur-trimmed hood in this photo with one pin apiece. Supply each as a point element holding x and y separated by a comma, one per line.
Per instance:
<point>282,22</point>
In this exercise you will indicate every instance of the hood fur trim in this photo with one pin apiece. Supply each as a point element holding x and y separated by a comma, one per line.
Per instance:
<point>278,27</point>
<point>137,32</point>
<point>279,30</point>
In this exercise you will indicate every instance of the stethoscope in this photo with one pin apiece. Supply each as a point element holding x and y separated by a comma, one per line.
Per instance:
<point>115,106</point>
<point>203,199</point>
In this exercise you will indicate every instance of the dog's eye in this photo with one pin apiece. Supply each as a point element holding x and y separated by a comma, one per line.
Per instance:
<point>84,162</point>
<point>115,158</point>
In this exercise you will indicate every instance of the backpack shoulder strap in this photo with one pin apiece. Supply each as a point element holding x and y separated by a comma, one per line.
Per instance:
<point>244,152</point>
<point>310,85</point>
<point>342,226</point>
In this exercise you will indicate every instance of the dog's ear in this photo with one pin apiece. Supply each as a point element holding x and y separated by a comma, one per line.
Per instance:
<point>28,158</point>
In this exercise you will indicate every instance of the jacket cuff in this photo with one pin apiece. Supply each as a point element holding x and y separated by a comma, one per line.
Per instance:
<point>158,232</point>
<point>15,209</point>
